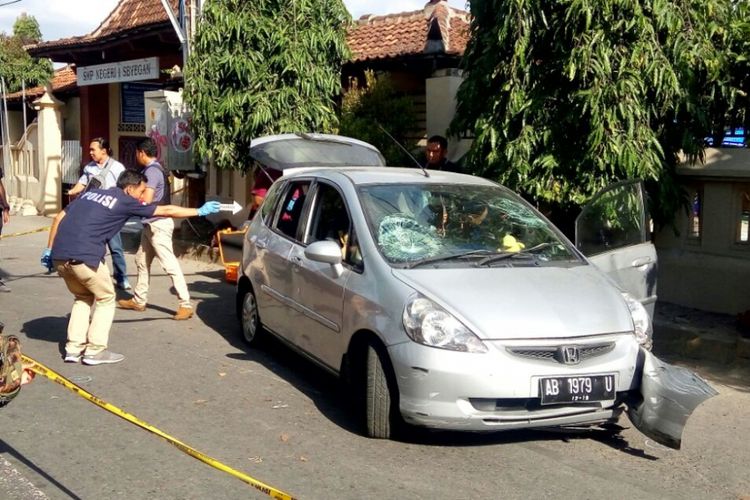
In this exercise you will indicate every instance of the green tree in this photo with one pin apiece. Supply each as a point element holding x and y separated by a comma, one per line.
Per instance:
<point>264,67</point>
<point>566,97</point>
<point>374,104</point>
<point>27,29</point>
<point>16,65</point>
<point>739,60</point>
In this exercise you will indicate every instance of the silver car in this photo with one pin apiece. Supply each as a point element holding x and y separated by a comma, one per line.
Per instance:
<point>449,302</point>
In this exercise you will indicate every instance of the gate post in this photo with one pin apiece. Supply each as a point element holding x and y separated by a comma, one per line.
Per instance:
<point>50,152</point>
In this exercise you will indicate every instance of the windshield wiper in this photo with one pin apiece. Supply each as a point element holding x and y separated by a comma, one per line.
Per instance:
<point>526,253</point>
<point>440,258</point>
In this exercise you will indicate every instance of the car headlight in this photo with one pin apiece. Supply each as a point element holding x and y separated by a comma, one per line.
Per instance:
<point>641,320</point>
<point>429,324</point>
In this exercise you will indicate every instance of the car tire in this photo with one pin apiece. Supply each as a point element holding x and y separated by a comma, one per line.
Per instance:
<point>250,318</point>
<point>379,396</point>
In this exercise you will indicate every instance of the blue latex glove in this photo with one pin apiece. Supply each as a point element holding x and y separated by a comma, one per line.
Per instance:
<point>47,259</point>
<point>208,208</point>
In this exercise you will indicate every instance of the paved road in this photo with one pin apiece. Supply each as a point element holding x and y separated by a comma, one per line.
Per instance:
<point>271,415</point>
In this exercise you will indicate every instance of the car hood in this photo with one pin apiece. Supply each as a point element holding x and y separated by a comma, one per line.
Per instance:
<point>524,302</point>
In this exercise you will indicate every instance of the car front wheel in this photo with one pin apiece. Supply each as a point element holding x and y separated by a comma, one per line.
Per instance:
<point>379,406</point>
<point>251,327</point>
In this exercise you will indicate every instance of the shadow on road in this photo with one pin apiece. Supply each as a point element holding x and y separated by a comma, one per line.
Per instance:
<point>217,310</point>
<point>48,328</point>
<point>6,448</point>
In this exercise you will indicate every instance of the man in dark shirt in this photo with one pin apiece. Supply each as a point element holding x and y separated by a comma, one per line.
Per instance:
<point>435,154</point>
<point>156,238</point>
<point>76,249</point>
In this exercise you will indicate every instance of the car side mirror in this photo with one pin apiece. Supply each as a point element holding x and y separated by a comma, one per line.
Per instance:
<point>328,252</point>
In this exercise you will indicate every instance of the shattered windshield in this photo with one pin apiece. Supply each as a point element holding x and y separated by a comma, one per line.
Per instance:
<point>415,224</point>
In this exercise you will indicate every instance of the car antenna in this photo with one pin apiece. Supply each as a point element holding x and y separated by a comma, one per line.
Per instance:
<point>424,171</point>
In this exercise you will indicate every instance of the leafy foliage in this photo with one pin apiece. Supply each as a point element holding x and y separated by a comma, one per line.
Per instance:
<point>587,92</point>
<point>264,67</point>
<point>374,103</point>
<point>739,61</point>
<point>16,65</point>
<point>26,28</point>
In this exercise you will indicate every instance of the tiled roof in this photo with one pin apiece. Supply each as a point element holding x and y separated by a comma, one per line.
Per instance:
<point>126,16</point>
<point>438,28</point>
<point>63,80</point>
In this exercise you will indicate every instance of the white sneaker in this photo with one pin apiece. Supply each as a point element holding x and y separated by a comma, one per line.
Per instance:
<point>102,358</point>
<point>71,357</point>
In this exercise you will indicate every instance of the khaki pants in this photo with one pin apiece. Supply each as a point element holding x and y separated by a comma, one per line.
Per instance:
<point>156,241</point>
<point>88,286</point>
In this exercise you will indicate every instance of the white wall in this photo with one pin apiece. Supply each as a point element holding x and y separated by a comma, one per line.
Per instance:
<point>711,273</point>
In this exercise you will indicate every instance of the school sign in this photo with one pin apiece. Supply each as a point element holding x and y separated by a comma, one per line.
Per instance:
<point>121,71</point>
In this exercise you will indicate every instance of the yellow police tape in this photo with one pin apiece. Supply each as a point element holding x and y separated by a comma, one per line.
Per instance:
<point>39,368</point>
<point>2,236</point>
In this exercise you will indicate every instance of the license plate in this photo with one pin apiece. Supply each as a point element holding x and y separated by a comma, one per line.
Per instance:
<point>580,389</point>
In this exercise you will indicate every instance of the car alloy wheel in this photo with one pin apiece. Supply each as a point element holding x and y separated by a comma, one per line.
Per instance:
<point>250,318</point>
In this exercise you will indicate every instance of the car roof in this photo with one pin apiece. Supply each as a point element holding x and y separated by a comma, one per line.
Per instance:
<point>388,175</point>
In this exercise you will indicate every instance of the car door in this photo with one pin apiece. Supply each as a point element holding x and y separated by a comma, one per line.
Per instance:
<point>321,289</point>
<point>613,231</point>
<point>276,301</point>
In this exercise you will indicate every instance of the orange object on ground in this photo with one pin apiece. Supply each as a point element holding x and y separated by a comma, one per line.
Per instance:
<point>231,269</point>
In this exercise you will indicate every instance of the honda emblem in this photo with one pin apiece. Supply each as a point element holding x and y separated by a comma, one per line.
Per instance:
<point>570,355</point>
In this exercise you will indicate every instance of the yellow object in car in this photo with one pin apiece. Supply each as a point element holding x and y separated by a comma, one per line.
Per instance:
<point>511,244</point>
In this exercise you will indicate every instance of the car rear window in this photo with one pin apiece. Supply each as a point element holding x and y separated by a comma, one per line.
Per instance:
<point>290,153</point>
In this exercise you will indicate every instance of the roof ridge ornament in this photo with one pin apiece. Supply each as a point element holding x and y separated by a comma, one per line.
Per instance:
<point>431,5</point>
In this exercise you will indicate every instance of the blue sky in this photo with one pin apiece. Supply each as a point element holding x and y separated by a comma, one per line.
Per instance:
<point>64,18</point>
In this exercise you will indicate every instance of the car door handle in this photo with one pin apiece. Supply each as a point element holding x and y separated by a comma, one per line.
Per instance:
<point>260,244</point>
<point>297,260</point>
<point>642,261</point>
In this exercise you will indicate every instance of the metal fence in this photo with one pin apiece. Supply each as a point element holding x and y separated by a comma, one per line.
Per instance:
<point>71,161</point>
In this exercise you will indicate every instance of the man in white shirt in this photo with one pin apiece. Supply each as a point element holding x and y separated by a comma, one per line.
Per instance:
<point>102,162</point>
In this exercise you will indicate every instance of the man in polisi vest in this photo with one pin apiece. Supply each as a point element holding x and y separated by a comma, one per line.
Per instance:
<point>76,248</point>
<point>156,238</point>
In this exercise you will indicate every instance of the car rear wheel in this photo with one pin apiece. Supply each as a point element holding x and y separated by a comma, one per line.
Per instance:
<point>379,404</point>
<point>250,319</point>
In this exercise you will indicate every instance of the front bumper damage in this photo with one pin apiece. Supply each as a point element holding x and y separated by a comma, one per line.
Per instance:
<point>668,396</point>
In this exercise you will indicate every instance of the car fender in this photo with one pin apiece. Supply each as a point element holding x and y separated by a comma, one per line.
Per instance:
<point>669,395</point>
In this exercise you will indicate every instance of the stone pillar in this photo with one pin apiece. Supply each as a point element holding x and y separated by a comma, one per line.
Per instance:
<point>49,153</point>
<point>440,101</point>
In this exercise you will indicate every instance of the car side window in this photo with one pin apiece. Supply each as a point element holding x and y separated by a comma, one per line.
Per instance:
<point>266,210</point>
<point>353,254</point>
<point>614,219</point>
<point>330,221</point>
<point>290,211</point>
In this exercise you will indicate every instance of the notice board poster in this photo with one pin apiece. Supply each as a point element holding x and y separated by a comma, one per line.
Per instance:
<point>132,105</point>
